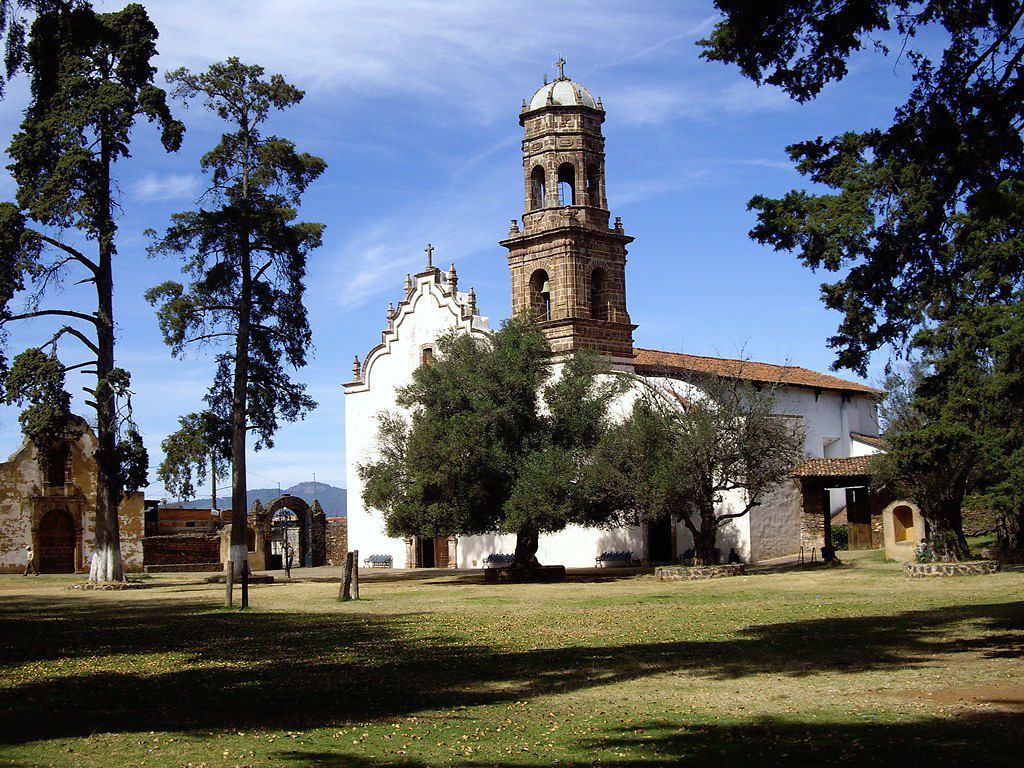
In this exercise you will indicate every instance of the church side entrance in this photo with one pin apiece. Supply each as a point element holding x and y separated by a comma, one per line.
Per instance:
<point>660,540</point>
<point>57,542</point>
<point>430,552</point>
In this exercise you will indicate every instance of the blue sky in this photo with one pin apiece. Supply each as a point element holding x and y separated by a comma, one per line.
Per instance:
<point>414,106</point>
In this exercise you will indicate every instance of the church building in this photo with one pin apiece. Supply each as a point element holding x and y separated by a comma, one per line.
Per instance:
<point>52,513</point>
<point>567,265</point>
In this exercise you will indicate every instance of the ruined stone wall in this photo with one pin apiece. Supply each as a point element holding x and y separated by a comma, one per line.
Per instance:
<point>25,498</point>
<point>337,540</point>
<point>181,549</point>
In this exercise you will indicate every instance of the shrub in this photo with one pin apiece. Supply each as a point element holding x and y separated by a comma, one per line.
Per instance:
<point>840,537</point>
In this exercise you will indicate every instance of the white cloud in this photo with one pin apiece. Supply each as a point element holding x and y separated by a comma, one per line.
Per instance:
<point>469,53</point>
<point>700,101</point>
<point>171,186</point>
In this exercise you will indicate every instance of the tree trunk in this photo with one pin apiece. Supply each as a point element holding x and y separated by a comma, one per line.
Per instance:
<point>704,541</point>
<point>946,535</point>
<point>107,564</point>
<point>524,559</point>
<point>1010,531</point>
<point>239,488</point>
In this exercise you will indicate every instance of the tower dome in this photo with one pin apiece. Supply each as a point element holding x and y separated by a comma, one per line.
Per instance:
<point>562,92</point>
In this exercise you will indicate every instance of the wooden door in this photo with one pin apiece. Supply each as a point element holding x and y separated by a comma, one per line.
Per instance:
<point>858,518</point>
<point>57,542</point>
<point>441,552</point>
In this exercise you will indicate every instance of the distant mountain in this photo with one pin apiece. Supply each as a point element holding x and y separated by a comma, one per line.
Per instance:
<point>331,498</point>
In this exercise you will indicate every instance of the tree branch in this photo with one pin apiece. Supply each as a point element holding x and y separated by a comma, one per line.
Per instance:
<point>78,335</point>
<point>53,313</point>
<point>80,365</point>
<point>72,252</point>
<point>261,270</point>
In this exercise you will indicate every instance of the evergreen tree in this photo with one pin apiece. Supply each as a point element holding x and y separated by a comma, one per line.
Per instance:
<point>921,219</point>
<point>245,256</point>
<point>490,444</point>
<point>91,78</point>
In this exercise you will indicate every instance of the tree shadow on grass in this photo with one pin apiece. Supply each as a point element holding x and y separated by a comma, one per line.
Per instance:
<point>299,671</point>
<point>992,739</point>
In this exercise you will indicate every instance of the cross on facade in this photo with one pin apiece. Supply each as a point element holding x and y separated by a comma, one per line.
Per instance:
<point>560,63</point>
<point>429,250</point>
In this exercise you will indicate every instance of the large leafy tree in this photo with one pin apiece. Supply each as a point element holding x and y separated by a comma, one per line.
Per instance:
<point>489,443</point>
<point>954,424</point>
<point>921,217</point>
<point>245,255</point>
<point>921,220</point>
<point>92,79</point>
<point>704,453</point>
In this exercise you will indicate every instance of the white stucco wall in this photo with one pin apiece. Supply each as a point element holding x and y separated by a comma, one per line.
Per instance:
<point>428,313</point>
<point>827,418</point>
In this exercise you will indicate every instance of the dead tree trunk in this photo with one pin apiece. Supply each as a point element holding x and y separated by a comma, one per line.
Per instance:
<point>346,581</point>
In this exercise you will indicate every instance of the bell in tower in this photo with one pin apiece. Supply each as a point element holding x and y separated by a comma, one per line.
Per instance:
<point>568,266</point>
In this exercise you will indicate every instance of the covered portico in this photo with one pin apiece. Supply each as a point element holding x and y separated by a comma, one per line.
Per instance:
<point>818,478</point>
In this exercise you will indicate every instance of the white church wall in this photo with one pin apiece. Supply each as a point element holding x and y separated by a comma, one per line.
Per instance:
<point>860,448</point>
<point>428,314</point>
<point>574,547</point>
<point>775,525</point>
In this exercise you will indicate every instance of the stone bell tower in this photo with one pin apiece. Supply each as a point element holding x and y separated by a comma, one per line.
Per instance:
<point>568,266</point>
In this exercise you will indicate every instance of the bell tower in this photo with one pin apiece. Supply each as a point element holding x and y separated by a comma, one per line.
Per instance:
<point>568,266</point>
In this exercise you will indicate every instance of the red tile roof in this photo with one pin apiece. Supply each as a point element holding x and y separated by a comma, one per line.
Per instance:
<point>653,361</point>
<point>851,465</point>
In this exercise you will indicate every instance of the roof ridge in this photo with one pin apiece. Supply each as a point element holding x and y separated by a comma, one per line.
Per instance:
<point>730,364</point>
<point>719,357</point>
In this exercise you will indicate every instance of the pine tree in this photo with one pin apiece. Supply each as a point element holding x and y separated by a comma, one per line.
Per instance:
<point>92,79</point>
<point>245,256</point>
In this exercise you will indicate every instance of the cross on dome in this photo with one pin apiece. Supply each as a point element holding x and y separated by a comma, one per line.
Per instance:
<point>429,250</point>
<point>560,63</point>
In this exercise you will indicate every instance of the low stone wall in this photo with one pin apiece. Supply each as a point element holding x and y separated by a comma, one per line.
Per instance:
<point>968,568</point>
<point>180,550</point>
<point>1005,556</point>
<point>694,572</point>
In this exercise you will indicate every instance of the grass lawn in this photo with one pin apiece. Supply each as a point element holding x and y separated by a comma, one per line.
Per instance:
<point>849,666</point>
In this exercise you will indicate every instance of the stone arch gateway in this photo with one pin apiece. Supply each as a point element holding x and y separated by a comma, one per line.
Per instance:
<point>311,528</point>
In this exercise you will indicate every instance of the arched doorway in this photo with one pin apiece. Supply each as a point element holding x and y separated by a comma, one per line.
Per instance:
<point>293,520</point>
<point>57,542</point>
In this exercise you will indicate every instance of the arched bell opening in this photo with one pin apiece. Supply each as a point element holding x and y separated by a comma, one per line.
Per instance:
<point>599,294</point>
<point>538,191</point>
<point>567,184</point>
<point>540,295</point>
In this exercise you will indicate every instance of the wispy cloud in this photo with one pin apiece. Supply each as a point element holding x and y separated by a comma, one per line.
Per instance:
<point>466,53</point>
<point>153,187</point>
<point>372,263</point>
<point>700,101</point>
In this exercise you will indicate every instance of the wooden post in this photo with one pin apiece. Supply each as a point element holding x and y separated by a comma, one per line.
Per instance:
<point>355,574</point>
<point>346,582</point>
<point>829,553</point>
<point>229,580</point>
<point>245,583</point>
